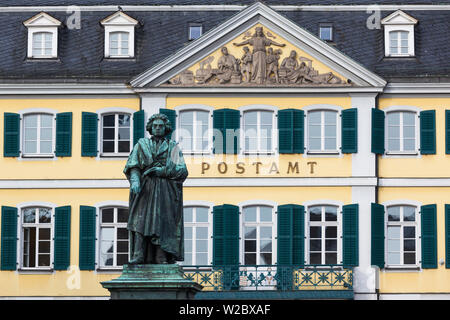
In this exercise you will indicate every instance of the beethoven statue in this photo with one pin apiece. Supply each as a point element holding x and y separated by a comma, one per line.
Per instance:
<point>156,171</point>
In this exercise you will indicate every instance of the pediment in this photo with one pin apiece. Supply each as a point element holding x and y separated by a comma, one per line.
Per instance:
<point>119,18</point>
<point>42,19</point>
<point>399,17</point>
<point>280,54</point>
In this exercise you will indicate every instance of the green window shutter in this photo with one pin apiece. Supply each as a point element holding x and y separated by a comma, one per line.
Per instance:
<point>138,125</point>
<point>447,131</point>
<point>64,134</point>
<point>377,131</point>
<point>62,238</point>
<point>447,236</point>
<point>226,122</point>
<point>291,235</point>
<point>350,235</point>
<point>87,237</point>
<point>89,133</point>
<point>11,135</point>
<point>429,236</point>
<point>291,131</point>
<point>428,132</point>
<point>172,115</point>
<point>226,235</point>
<point>9,238</point>
<point>349,130</point>
<point>377,236</point>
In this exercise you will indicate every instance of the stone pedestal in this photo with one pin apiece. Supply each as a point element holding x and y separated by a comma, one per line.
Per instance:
<point>152,281</point>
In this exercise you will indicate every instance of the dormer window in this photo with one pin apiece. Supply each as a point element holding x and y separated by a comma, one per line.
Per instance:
<point>42,36</point>
<point>326,32</point>
<point>399,34</point>
<point>119,35</point>
<point>195,31</point>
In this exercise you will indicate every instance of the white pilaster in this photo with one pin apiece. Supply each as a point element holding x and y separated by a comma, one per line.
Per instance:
<point>151,103</point>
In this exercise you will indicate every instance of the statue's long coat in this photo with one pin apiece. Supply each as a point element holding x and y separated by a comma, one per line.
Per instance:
<point>157,210</point>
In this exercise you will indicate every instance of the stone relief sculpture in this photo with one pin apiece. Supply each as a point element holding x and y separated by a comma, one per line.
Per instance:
<point>258,68</point>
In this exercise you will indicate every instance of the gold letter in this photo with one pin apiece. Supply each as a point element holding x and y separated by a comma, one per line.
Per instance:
<point>240,167</point>
<point>219,166</point>
<point>292,167</point>
<point>257,166</point>
<point>312,166</point>
<point>205,166</point>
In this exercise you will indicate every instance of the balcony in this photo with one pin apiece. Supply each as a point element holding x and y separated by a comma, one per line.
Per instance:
<point>272,281</point>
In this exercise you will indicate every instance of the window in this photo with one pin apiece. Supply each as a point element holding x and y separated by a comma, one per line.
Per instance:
<point>402,236</point>
<point>323,235</point>
<point>195,32</point>
<point>116,133</point>
<point>42,44</point>
<point>38,134</point>
<point>113,237</point>
<point>401,131</point>
<point>258,235</point>
<point>42,36</point>
<point>118,44</point>
<point>258,131</point>
<point>36,237</point>
<point>398,43</point>
<point>119,35</point>
<point>326,33</point>
<point>322,131</point>
<point>399,34</point>
<point>193,136</point>
<point>196,236</point>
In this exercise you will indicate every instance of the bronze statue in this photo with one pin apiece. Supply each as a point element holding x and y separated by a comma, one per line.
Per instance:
<point>156,171</point>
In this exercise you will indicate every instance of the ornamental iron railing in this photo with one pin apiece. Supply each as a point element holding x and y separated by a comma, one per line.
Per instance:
<point>271,277</point>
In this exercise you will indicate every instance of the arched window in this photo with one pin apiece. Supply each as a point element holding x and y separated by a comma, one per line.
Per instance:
<point>258,235</point>
<point>42,45</point>
<point>114,248</point>
<point>401,131</point>
<point>116,133</point>
<point>38,133</point>
<point>323,235</point>
<point>322,131</point>
<point>119,44</point>
<point>402,236</point>
<point>196,235</point>
<point>193,133</point>
<point>258,131</point>
<point>398,42</point>
<point>36,237</point>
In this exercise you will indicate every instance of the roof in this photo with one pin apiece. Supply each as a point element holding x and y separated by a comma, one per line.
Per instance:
<point>81,50</point>
<point>212,2</point>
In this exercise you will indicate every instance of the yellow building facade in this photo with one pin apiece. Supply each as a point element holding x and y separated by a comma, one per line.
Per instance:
<point>357,166</point>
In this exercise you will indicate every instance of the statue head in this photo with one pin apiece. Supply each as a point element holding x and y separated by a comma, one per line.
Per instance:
<point>270,50</point>
<point>159,125</point>
<point>293,54</point>
<point>259,32</point>
<point>246,49</point>
<point>224,51</point>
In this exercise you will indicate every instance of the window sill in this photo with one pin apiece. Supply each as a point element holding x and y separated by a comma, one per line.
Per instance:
<point>324,152</point>
<point>35,271</point>
<point>402,268</point>
<point>110,270</point>
<point>114,155</point>
<point>402,153</point>
<point>196,153</point>
<point>117,58</point>
<point>38,156</point>
<point>50,59</point>
<point>263,153</point>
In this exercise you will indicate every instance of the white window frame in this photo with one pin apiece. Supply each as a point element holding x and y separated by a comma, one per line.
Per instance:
<point>179,133</point>
<point>116,130</point>
<point>403,203</point>
<point>119,22</point>
<point>29,112</point>
<point>274,135</point>
<point>120,35</point>
<point>42,22</point>
<point>323,203</point>
<point>242,224</point>
<point>410,109</point>
<point>114,225</point>
<point>323,107</point>
<point>113,110</point>
<point>194,25</point>
<point>399,21</point>
<point>194,225</point>
<point>20,248</point>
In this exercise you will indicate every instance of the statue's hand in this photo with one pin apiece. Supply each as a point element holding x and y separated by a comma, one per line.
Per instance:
<point>135,187</point>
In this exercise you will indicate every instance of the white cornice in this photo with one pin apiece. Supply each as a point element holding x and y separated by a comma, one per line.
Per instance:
<point>64,88</point>
<point>330,8</point>
<point>262,90</point>
<point>257,13</point>
<point>417,88</point>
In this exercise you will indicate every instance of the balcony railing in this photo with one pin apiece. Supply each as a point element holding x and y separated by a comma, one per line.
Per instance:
<point>271,277</point>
